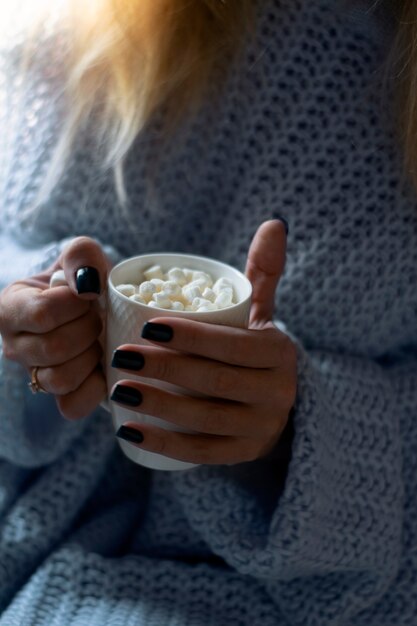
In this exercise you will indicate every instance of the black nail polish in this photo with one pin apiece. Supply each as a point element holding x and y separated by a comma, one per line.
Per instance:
<point>88,280</point>
<point>276,216</point>
<point>157,332</point>
<point>127,360</point>
<point>130,434</point>
<point>126,395</point>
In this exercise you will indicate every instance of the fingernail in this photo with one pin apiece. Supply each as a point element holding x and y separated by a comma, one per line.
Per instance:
<point>276,216</point>
<point>157,332</point>
<point>130,434</point>
<point>127,360</point>
<point>126,395</point>
<point>87,280</point>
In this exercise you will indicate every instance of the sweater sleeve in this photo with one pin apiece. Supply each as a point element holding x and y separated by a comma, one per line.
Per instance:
<point>327,543</point>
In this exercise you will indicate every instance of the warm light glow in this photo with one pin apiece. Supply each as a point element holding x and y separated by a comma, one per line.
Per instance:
<point>135,57</point>
<point>19,16</point>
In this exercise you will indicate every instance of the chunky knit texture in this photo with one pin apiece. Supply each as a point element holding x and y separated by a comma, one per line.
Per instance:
<point>304,130</point>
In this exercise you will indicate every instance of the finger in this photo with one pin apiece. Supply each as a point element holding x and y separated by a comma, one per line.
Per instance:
<point>192,448</point>
<point>264,267</point>
<point>85,399</point>
<point>33,310</point>
<point>68,377</point>
<point>199,414</point>
<point>211,378</point>
<point>235,346</point>
<point>59,345</point>
<point>85,266</point>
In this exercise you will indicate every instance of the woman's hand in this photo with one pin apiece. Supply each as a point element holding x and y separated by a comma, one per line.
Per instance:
<point>57,330</point>
<point>248,377</point>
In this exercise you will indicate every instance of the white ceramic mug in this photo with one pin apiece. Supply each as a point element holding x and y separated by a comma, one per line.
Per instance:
<point>125,320</point>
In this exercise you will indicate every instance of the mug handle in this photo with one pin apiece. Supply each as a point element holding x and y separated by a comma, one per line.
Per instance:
<point>58,280</point>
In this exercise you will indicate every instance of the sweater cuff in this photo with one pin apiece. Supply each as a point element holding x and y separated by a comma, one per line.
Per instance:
<point>335,519</point>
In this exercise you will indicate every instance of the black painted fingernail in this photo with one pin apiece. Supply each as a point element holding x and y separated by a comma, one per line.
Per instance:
<point>157,332</point>
<point>130,434</point>
<point>276,216</point>
<point>87,280</point>
<point>126,395</point>
<point>127,360</point>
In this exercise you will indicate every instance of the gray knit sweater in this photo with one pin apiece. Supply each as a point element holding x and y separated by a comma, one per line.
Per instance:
<point>304,130</point>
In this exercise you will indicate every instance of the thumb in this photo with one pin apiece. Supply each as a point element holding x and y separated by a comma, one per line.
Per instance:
<point>264,267</point>
<point>85,266</point>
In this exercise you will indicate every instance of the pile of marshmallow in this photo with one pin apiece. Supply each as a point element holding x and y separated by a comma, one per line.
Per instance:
<point>180,290</point>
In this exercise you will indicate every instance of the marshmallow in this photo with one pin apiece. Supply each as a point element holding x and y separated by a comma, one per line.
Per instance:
<point>203,277</point>
<point>126,289</point>
<point>147,289</point>
<point>153,272</point>
<point>162,299</point>
<point>197,303</point>
<point>138,298</point>
<point>209,294</point>
<point>158,282</point>
<point>176,275</point>
<point>172,288</point>
<point>191,291</point>
<point>180,290</point>
<point>224,298</point>
<point>222,283</point>
<point>200,282</point>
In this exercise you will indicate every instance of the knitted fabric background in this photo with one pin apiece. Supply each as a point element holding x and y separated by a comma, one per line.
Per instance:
<point>304,130</point>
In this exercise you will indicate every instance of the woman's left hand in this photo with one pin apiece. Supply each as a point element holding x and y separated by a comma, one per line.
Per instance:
<point>248,377</point>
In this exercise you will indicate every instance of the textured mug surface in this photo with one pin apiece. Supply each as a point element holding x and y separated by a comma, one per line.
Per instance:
<point>125,320</point>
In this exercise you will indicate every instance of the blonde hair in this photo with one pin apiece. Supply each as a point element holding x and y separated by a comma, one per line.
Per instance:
<point>129,58</point>
<point>135,56</point>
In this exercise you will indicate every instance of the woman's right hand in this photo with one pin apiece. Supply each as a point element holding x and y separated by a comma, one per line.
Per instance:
<point>57,329</point>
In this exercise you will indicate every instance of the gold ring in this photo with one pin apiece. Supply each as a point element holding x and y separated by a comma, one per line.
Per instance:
<point>34,384</point>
